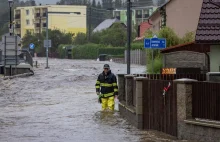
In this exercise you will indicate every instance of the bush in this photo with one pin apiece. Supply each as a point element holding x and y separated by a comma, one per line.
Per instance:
<point>158,65</point>
<point>188,37</point>
<point>62,51</point>
<point>87,51</point>
<point>137,45</point>
<point>117,56</point>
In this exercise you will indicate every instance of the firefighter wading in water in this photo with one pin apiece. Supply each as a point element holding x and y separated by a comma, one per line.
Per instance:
<point>109,89</point>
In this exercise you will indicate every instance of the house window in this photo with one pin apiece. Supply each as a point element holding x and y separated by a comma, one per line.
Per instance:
<point>27,22</point>
<point>27,12</point>
<point>150,11</point>
<point>138,13</point>
<point>146,13</point>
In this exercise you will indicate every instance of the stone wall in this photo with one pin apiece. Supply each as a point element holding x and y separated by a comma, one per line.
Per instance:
<point>187,127</point>
<point>185,59</point>
<point>134,114</point>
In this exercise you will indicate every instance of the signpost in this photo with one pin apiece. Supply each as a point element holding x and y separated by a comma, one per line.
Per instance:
<point>47,43</point>
<point>31,46</point>
<point>154,43</point>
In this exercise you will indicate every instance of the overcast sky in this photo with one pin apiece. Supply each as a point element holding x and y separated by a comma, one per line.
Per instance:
<point>49,1</point>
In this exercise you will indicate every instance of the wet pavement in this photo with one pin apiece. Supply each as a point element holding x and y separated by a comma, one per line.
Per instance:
<point>60,105</point>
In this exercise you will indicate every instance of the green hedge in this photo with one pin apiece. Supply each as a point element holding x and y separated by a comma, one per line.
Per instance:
<point>87,51</point>
<point>112,51</point>
<point>137,45</point>
<point>92,51</point>
<point>61,51</point>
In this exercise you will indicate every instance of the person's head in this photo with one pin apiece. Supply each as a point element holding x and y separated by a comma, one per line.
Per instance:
<point>106,68</point>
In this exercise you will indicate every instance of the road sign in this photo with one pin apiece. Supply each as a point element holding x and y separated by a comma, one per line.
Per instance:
<point>47,43</point>
<point>155,43</point>
<point>31,46</point>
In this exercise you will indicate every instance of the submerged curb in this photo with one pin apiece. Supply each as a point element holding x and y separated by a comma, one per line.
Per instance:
<point>19,75</point>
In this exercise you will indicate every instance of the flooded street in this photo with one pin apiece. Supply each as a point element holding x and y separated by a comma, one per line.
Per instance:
<point>60,105</point>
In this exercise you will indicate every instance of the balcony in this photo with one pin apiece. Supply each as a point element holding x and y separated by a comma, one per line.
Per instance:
<point>37,15</point>
<point>17,26</point>
<point>44,14</point>
<point>37,25</point>
<point>44,25</point>
<point>17,16</point>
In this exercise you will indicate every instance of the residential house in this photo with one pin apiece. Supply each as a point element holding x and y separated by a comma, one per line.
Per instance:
<point>139,14</point>
<point>208,31</point>
<point>142,28</point>
<point>180,15</point>
<point>67,18</point>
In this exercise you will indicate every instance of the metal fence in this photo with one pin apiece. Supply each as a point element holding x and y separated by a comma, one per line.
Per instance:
<point>160,111</point>
<point>199,77</point>
<point>137,57</point>
<point>206,100</point>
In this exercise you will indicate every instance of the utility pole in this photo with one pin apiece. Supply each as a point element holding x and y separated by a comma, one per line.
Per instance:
<point>47,41</point>
<point>90,22</point>
<point>10,24</point>
<point>39,35</point>
<point>128,36</point>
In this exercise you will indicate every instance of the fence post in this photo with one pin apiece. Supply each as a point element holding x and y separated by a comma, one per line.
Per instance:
<point>125,56</point>
<point>184,104</point>
<point>129,89</point>
<point>139,102</point>
<point>121,87</point>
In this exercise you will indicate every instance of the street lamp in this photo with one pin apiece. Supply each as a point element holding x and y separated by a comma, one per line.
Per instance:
<point>10,2</point>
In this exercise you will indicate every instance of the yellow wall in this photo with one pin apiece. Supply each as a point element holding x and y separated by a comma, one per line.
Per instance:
<point>65,22</point>
<point>68,22</point>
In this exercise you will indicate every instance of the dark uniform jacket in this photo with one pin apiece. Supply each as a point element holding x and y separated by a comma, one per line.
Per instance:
<point>108,84</point>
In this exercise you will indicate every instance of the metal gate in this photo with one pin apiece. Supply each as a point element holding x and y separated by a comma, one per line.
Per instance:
<point>159,112</point>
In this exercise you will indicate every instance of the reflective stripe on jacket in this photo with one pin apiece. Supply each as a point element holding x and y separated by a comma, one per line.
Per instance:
<point>108,84</point>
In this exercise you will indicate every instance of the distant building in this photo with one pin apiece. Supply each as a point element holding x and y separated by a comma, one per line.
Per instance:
<point>33,19</point>
<point>107,24</point>
<point>139,14</point>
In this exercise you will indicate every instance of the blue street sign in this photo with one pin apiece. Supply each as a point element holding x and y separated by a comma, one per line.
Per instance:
<point>147,43</point>
<point>31,46</point>
<point>156,43</point>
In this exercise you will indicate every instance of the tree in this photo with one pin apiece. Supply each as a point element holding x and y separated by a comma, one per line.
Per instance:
<point>57,37</point>
<point>107,4</point>
<point>80,39</point>
<point>118,3</point>
<point>99,6</point>
<point>115,35</point>
<point>93,3</point>
<point>188,37</point>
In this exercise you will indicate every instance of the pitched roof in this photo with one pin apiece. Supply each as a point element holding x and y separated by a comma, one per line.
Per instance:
<point>208,30</point>
<point>105,24</point>
<point>190,46</point>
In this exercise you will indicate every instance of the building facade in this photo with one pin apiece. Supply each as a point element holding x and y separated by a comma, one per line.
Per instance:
<point>65,18</point>
<point>139,14</point>
<point>180,15</point>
